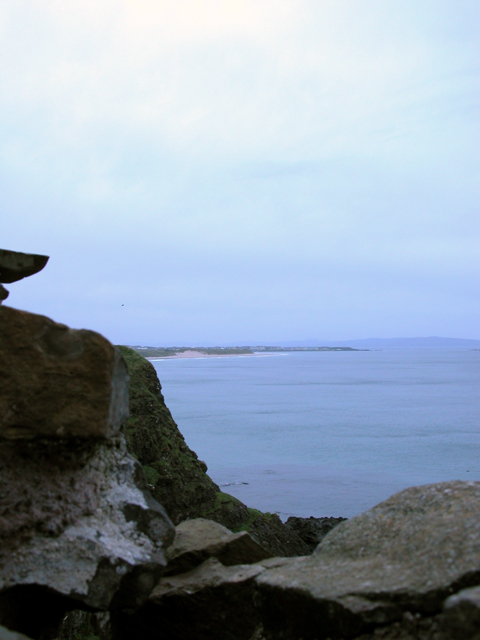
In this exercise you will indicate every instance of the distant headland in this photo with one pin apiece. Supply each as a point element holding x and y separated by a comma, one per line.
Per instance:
<point>209,352</point>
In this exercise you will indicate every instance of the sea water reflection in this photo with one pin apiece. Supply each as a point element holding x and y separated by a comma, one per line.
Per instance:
<point>329,433</point>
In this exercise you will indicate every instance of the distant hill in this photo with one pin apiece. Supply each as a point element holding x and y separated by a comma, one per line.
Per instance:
<point>391,343</point>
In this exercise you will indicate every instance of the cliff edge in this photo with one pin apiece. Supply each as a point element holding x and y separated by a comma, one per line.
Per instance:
<point>178,479</point>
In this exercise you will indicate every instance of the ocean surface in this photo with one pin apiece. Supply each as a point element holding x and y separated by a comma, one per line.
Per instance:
<point>328,433</point>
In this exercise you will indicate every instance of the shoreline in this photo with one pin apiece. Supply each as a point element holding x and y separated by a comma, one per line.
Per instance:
<point>192,354</point>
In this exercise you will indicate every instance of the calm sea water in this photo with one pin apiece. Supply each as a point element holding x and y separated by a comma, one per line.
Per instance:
<point>329,433</point>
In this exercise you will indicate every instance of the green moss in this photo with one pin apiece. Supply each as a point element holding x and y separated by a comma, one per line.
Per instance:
<point>151,475</point>
<point>178,480</point>
<point>177,477</point>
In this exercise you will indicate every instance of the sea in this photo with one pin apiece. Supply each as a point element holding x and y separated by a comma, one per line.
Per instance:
<point>328,433</point>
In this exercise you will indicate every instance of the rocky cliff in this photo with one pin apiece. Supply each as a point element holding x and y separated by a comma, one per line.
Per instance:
<point>178,479</point>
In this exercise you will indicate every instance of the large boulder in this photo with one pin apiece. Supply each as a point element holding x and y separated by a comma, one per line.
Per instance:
<point>199,539</point>
<point>76,530</point>
<point>406,554</point>
<point>77,527</point>
<point>57,382</point>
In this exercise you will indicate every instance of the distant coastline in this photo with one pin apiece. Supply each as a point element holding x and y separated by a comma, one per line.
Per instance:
<point>162,353</point>
<point>194,353</point>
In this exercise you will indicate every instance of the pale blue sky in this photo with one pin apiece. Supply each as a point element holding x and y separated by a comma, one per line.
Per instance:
<point>244,171</point>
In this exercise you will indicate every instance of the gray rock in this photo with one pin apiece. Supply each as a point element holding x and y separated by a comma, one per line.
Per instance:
<point>3,293</point>
<point>75,531</point>
<point>16,266</point>
<point>58,382</point>
<point>199,539</point>
<point>410,627</point>
<point>408,553</point>
<point>312,530</point>
<point>70,520</point>
<point>462,615</point>
<point>211,602</point>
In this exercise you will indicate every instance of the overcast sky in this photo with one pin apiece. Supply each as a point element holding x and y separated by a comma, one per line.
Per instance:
<point>244,171</point>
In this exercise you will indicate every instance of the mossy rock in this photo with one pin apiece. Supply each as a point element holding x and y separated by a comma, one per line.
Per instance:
<point>175,475</point>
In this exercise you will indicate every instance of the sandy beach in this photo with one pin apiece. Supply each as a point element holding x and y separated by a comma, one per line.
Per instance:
<point>199,354</point>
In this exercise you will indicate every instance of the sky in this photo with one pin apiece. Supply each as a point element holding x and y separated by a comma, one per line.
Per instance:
<point>244,171</point>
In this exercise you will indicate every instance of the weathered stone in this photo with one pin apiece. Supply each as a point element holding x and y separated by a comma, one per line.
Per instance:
<point>410,627</point>
<point>176,477</point>
<point>211,602</point>
<point>58,382</point>
<point>408,553</point>
<point>312,530</point>
<point>462,615</point>
<point>16,266</point>
<point>75,531</point>
<point>200,539</point>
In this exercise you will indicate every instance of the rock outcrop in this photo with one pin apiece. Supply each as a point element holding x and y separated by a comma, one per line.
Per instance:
<point>176,476</point>
<point>408,569</point>
<point>408,554</point>
<point>16,266</point>
<point>198,540</point>
<point>312,530</point>
<point>211,602</point>
<point>77,526</point>
<point>58,382</point>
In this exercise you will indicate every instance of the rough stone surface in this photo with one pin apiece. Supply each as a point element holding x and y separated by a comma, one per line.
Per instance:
<point>85,625</point>
<point>408,553</point>
<point>16,266</point>
<point>200,539</point>
<point>312,530</point>
<point>411,627</point>
<point>75,530</point>
<point>211,602</point>
<point>462,615</point>
<point>176,477</point>
<point>58,382</point>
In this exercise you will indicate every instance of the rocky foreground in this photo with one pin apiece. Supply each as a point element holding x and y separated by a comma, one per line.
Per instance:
<point>111,529</point>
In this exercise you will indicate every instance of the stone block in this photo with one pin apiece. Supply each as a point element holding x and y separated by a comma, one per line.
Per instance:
<point>211,602</point>
<point>16,266</point>
<point>406,554</point>
<point>199,539</point>
<point>57,382</point>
